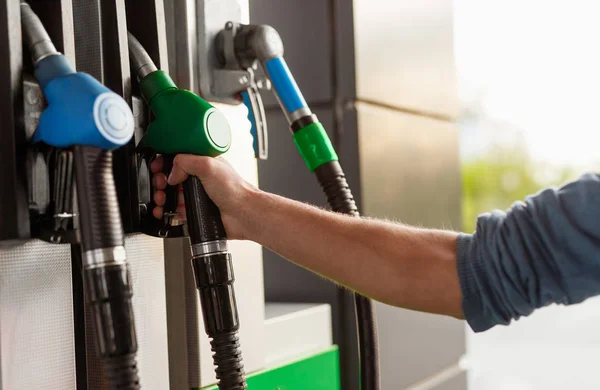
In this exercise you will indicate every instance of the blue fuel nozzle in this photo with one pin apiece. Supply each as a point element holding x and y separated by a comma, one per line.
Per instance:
<point>81,111</point>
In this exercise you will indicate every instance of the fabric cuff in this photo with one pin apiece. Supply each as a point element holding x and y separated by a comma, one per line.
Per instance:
<point>469,270</point>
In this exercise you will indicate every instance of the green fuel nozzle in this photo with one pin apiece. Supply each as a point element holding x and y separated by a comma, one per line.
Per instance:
<point>185,123</point>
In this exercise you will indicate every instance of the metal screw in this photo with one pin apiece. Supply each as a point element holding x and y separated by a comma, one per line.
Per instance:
<point>143,209</point>
<point>264,84</point>
<point>229,25</point>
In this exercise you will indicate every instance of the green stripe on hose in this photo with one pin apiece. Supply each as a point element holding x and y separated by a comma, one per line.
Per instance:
<point>314,146</point>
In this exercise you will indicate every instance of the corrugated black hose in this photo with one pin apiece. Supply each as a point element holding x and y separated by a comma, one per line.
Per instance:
<point>106,276</point>
<point>333,182</point>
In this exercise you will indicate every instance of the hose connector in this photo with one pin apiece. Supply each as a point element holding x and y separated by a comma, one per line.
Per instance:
<point>258,42</point>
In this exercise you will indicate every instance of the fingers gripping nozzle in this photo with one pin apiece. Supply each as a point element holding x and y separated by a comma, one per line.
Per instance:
<point>183,123</point>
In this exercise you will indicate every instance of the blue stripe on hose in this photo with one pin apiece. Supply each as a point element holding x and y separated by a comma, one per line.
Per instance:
<point>285,85</point>
<point>253,130</point>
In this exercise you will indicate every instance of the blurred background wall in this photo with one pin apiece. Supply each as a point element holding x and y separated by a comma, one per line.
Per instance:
<point>529,88</point>
<point>381,76</point>
<point>442,110</point>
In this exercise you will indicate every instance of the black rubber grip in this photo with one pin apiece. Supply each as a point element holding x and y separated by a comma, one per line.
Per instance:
<point>154,226</point>
<point>214,279</point>
<point>108,291</point>
<point>202,215</point>
<point>122,373</point>
<point>333,182</point>
<point>99,218</point>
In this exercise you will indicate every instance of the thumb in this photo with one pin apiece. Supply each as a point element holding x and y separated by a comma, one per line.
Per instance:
<point>188,164</point>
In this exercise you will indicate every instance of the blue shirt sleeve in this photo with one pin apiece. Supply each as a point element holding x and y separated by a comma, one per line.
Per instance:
<point>541,251</point>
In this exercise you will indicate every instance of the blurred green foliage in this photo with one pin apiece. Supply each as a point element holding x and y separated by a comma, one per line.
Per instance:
<point>503,176</point>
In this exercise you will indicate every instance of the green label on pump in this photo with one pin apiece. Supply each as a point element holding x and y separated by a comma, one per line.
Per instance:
<point>314,146</point>
<point>319,371</point>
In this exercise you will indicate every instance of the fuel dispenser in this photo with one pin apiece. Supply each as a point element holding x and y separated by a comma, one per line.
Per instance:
<point>86,139</point>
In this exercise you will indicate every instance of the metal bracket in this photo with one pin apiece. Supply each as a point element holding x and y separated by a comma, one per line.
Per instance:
<point>193,58</point>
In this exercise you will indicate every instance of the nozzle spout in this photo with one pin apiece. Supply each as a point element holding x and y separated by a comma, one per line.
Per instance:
<point>35,34</point>
<point>140,59</point>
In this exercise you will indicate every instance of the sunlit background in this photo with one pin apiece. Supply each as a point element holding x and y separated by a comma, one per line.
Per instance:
<point>529,78</point>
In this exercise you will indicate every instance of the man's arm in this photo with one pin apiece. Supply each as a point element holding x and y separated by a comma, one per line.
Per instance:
<point>396,264</point>
<point>544,250</point>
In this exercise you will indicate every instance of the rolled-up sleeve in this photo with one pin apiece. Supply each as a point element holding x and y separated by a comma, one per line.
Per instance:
<point>541,251</point>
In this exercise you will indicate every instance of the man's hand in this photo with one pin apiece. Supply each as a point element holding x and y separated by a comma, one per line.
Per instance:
<point>222,183</point>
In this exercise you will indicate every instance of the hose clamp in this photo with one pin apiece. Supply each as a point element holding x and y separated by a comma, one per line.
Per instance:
<point>299,113</point>
<point>103,257</point>
<point>209,248</point>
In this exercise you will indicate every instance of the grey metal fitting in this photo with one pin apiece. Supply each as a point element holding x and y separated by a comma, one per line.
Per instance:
<point>209,248</point>
<point>104,257</point>
<point>258,42</point>
<point>35,34</point>
<point>141,62</point>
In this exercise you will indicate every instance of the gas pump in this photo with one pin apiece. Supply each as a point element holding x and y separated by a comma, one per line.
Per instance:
<point>81,145</point>
<point>82,123</point>
<point>239,50</point>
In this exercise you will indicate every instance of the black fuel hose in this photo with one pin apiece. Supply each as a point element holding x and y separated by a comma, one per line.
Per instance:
<point>106,276</point>
<point>333,182</point>
<point>213,272</point>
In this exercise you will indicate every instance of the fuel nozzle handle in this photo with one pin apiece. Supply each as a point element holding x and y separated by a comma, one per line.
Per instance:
<point>38,41</point>
<point>185,123</point>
